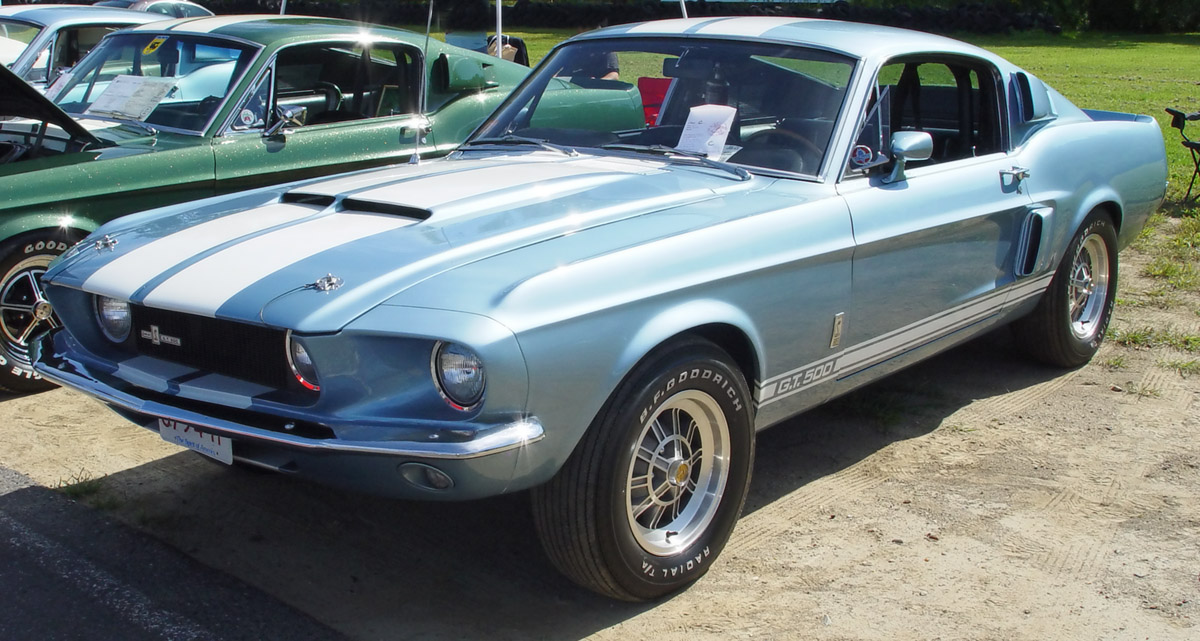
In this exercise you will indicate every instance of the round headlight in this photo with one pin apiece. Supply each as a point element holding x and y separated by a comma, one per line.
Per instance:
<point>114,318</point>
<point>301,363</point>
<point>459,374</point>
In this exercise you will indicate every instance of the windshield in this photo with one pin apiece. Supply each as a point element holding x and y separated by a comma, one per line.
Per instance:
<point>760,105</point>
<point>177,81</point>
<point>14,37</point>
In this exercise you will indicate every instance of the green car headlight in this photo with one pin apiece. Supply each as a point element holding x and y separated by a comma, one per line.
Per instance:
<point>114,318</point>
<point>459,374</point>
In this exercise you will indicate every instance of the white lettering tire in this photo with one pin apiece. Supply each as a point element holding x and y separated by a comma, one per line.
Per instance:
<point>1069,323</point>
<point>23,260</point>
<point>648,499</point>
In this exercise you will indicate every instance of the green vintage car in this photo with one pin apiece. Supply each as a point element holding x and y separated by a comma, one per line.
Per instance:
<point>185,109</point>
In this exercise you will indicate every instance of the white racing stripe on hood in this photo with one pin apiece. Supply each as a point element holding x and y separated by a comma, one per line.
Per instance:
<point>203,287</point>
<point>125,274</point>
<point>440,189</point>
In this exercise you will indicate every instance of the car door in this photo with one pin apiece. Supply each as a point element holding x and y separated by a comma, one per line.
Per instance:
<point>319,109</point>
<point>935,246</point>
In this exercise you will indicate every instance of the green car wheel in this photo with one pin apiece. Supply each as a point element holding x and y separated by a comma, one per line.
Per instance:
<point>24,312</point>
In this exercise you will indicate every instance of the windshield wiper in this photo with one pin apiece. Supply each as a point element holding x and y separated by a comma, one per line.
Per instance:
<point>117,116</point>
<point>665,150</point>
<point>510,139</point>
<point>141,125</point>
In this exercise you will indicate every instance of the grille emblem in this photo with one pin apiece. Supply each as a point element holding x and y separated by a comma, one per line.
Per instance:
<point>157,338</point>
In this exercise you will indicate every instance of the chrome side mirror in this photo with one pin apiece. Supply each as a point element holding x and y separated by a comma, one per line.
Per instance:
<point>286,117</point>
<point>908,146</point>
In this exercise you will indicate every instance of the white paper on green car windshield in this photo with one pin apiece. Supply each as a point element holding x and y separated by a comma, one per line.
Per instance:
<point>131,97</point>
<point>706,129</point>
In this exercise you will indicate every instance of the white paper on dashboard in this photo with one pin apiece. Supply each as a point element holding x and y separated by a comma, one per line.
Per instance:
<point>706,129</point>
<point>132,97</point>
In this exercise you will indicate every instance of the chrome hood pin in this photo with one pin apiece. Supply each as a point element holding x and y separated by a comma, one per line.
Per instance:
<point>327,283</point>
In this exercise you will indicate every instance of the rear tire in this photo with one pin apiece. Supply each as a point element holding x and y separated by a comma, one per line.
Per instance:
<point>1069,323</point>
<point>651,494</point>
<point>23,260</point>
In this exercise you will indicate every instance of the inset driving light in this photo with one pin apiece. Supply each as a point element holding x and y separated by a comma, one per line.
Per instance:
<point>459,374</point>
<point>114,319</point>
<point>301,363</point>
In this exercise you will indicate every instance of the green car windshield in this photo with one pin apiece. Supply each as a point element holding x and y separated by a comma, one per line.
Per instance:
<point>14,38</point>
<point>173,81</point>
<point>759,105</point>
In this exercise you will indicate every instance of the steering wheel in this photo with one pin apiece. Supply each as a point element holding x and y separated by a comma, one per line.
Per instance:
<point>758,136</point>
<point>333,95</point>
<point>206,106</point>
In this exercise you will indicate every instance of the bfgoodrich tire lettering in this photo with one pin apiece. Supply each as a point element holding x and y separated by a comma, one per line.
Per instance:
<point>1070,321</point>
<point>649,498</point>
<point>23,260</point>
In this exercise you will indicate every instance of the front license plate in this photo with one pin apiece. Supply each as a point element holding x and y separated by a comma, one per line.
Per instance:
<point>189,436</point>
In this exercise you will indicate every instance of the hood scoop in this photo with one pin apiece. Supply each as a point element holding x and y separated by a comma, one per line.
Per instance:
<point>356,205</point>
<point>301,198</point>
<point>391,209</point>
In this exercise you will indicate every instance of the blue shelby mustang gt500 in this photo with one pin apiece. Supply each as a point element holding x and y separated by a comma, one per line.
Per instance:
<point>605,305</point>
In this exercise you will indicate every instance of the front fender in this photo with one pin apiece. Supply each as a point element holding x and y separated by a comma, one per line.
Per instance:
<point>62,222</point>
<point>682,318</point>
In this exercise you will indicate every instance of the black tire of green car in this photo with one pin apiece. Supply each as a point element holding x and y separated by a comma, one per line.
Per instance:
<point>23,260</point>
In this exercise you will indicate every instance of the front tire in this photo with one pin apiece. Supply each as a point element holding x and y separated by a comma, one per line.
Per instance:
<point>651,495</point>
<point>23,260</point>
<point>1069,323</point>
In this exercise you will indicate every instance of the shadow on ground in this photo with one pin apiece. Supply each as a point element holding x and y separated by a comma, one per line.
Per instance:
<point>376,568</point>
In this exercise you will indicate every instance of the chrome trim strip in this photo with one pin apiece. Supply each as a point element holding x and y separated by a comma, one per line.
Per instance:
<point>858,357</point>
<point>500,438</point>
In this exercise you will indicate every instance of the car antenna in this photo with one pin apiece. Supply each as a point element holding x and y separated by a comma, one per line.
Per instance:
<point>415,158</point>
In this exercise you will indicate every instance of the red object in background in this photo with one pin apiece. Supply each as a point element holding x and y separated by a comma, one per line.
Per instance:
<point>653,91</point>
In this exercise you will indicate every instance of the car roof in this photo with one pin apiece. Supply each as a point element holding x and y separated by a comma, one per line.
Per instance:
<point>856,39</point>
<point>53,15</point>
<point>274,30</point>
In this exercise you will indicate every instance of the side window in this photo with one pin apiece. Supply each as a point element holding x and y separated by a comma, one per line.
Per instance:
<point>189,11</point>
<point>165,8</point>
<point>74,44</point>
<point>956,103</point>
<point>252,114</point>
<point>329,83</point>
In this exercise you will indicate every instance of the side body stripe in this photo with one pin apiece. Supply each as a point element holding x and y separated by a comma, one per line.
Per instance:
<point>858,357</point>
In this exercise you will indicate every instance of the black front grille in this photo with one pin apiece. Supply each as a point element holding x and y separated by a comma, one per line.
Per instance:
<point>248,352</point>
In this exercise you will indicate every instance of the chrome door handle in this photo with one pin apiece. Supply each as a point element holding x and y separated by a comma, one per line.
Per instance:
<point>1016,175</point>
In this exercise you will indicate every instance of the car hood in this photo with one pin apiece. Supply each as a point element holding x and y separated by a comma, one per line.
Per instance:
<point>21,100</point>
<point>314,256</point>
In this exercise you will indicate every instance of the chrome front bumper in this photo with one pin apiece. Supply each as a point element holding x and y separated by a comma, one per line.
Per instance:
<point>485,464</point>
